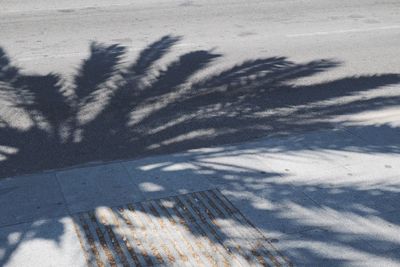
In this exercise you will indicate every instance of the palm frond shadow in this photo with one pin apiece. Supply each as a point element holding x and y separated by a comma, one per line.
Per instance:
<point>115,111</point>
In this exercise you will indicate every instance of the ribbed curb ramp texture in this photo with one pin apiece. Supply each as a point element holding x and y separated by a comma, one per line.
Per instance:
<point>195,229</point>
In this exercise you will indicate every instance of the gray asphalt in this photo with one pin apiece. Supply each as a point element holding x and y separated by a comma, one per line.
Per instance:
<point>44,36</point>
<point>292,58</point>
<point>321,50</point>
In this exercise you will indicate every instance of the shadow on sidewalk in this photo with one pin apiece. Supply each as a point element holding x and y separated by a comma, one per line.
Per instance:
<point>118,111</point>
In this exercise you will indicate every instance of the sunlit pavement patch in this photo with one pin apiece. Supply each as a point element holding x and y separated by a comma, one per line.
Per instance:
<point>196,229</point>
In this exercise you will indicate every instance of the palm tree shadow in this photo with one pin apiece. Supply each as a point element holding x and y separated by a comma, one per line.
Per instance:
<point>115,111</point>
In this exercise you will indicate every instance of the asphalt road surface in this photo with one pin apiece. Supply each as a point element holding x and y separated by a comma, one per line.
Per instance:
<point>348,48</point>
<point>44,36</point>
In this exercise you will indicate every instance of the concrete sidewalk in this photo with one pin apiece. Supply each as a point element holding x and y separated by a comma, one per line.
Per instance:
<point>323,198</point>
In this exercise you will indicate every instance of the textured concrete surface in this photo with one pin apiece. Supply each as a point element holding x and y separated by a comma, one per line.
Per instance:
<point>47,242</point>
<point>322,198</point>
<point>195,229</point>
<point>86,188</point>
<point>24,199</point>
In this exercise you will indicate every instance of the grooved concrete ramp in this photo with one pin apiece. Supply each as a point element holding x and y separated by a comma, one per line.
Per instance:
<point>196,229</point>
